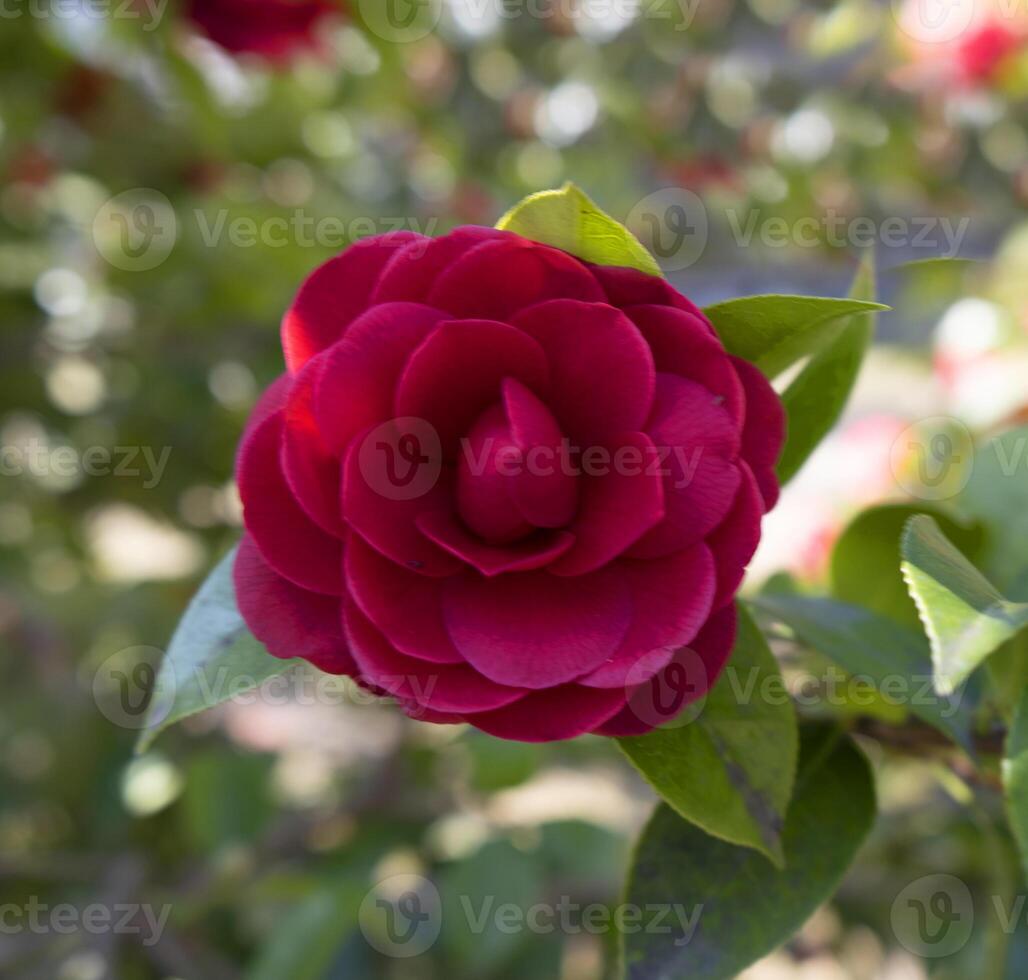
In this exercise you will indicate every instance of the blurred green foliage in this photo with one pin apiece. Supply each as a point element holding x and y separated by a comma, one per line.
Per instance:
<point>263,826</point>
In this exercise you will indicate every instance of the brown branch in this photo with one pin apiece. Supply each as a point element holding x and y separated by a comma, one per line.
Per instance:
<point>918,738</point>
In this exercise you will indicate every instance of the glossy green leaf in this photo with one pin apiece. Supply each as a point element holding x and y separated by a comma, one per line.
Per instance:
<point>729,767</point>
<point>212,657</point>
<point>740,907</point>
<point>894,658</point>
<point>816,397</point>
<point>865,566</point>
<point>964,616</point>
<point>773,332</point>
<point>568,220</point>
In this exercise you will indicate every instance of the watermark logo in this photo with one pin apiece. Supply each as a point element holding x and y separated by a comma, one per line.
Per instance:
<point>933,916</point>
<point>933,458</point>
<point>673,224</point>
<point>131,691</point>
<point>136,230</point>
<point>96,919</point>
<point>148,13</point>
<point>401,916</point>
<point>400,21</point>
<point>673,697</point>
<point>401,459</point>
<point>934,21</point>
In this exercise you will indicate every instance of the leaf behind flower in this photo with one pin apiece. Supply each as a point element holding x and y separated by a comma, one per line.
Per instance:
<point>212,657</point>
<point>567,219</point>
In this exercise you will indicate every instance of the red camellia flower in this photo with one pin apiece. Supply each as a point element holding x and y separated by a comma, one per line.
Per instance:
<point>980,56</point>
<point>505,486</point>
<point>272,29</point>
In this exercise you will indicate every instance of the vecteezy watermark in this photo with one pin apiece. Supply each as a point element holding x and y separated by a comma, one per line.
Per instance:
<point>673,224</point>
<point>944,21</point>
<point>36,458</point>
<point>402,917</point>
<point>933,458</point>
<point>149,13</point>
<point>137,230</point>
<point>136,688</point>
<point>305,230</point>
<point>674,694</point>
<point>670,695</point>
<point>400,21</point>
<point>96,918</point>
<point>934,915</point>
<point>404,21</point>
<point>401,459</point>
<point>676,225</point>
<point>940,233</point>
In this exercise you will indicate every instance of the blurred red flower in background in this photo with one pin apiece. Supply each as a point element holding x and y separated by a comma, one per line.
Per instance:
<point>275,30</point>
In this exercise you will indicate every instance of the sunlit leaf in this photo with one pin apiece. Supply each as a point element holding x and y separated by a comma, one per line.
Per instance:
<point>964,616</point>
<point>568,220</point>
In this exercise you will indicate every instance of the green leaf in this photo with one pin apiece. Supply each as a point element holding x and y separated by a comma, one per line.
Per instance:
<point>212,657</point>
<point>816,397</point>
<point>865,567</point>
<point>568,220</point>
<point>306,941</point>
<point>997,494</point>
<point>964,616</point>
<point>730,769</point>
<point>473,890</point>
<point>745,906</point>
<point>1015,776</point>
<point>894,658</point>
<point>773,332</point>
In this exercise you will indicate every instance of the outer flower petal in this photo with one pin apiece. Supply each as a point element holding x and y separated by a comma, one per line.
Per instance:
<point>412,272</point>
<point>404,605</point>
<point>272,399</point>
<point>671,599</point>
<point>288,620</point>
<point>290,541</point>
<point>701,476</point>
<point>546,716</point>
<point>734,542</point>
<point>494,280</point>
<point>764,431</point>
<point>534,629</point>
<point>630,287</point>
<point>355,388</point>
<point>310,470</point>
<point>441,687</point>
<point>335,294</point>
<point>601,371</point>
<point>682,343</point>
<point>688,677</point>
